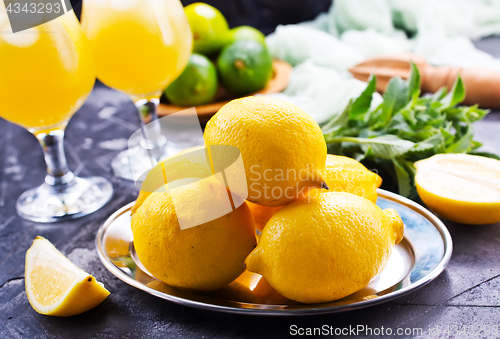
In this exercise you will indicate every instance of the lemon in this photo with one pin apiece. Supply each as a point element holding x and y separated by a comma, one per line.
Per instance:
<point>326,248</point>
<point>460,187</point>
<point>139,201</point>
<point>344,174</point>
<point>205,257</point>
<point>193,157</point>
<point>262,214</point>
<point>209,27</point>
<point>282,147</point>
<point>56,286</point>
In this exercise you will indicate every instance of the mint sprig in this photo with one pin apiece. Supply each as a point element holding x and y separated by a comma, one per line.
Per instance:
<point>403,129</point>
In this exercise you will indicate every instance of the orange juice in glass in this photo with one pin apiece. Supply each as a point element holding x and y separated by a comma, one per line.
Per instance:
<point>47,72</point>
<point>141,46</point>
<point>50,64</point>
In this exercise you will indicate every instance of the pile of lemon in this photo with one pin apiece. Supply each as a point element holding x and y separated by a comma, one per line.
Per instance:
<point>237,58</point>
<point>322,238</point>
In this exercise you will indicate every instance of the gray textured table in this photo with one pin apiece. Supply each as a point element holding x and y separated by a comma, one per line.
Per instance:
<point>466,294</point>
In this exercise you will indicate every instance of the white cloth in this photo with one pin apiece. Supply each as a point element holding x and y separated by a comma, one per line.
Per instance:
<point>324,49</point>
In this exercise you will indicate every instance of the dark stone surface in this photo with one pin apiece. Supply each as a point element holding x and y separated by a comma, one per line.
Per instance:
<point>466,294</point>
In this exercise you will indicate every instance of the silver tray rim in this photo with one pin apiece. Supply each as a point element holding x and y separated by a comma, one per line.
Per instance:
<point>312,310</point>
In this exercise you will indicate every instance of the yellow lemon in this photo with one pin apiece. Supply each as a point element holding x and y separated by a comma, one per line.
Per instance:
<point>344,174</point>
<point>204,257</point>
<point>194,157</point>
<point>139,201</point>
<point>282,147</point>
<point>460,187</point>
<point>326,248</point>
<point>56,286</point>
<point>262,214</point>
<point>341,174</point>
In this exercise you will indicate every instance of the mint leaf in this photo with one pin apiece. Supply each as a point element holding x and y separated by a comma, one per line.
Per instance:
<point>465,114</point>
<point>474,113</point>
<point>486,154</point>
<point>434,143</point>
<point>395,98</point>
<point>388,146</point>
<point>440,94</point>
<point>413,83</point>
<point>475,145</point>
<point>456,95</point>
<point>463,144</point>
<point>362,104</point>
<point>448,135</point>
<point>338,121</point>
<point>409,115</point>
<point>400,127</point>
<point>404,181</point>
<point>385,146</point>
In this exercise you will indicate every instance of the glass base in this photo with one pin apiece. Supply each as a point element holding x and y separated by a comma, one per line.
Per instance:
<point>132,163</point>
<point>50,203</point>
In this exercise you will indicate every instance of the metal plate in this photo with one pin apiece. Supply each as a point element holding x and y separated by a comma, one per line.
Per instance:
<point>417,260</point>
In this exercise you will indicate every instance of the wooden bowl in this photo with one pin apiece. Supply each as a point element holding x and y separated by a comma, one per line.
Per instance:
<point>279,81</point>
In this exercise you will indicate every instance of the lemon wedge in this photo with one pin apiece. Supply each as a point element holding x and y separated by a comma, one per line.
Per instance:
<point>460,187</point>
<point>55,286</point>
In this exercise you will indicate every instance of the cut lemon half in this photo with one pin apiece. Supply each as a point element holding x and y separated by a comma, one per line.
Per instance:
<point>460,187</point>
<point>56,286</point>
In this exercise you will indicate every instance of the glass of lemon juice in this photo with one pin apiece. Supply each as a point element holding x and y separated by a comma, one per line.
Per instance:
<point>141,47</point>
<point>53,63</point>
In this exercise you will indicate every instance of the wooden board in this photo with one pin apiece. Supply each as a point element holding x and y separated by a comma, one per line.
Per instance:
<point>279,81</point>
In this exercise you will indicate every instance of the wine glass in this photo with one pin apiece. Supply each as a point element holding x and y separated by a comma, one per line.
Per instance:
<point>141,47</point>
<point>53,66</point>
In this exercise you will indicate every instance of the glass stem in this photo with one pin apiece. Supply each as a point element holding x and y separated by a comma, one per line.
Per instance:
<point>58,172</point>
<point>152,138</point>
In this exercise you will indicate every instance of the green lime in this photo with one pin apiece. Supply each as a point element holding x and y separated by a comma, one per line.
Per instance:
<point>247,33</point>
<point>209,27</point>
<point>245,66</point>
<point>196,85</point>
